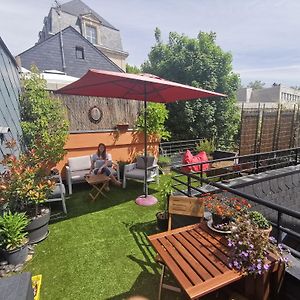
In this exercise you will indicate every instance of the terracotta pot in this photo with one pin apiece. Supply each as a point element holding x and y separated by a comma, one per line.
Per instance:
<point>267,231</point>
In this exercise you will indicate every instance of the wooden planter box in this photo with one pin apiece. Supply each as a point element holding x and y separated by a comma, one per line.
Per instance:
<point>122,127</point>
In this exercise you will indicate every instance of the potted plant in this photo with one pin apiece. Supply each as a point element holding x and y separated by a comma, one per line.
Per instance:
<point>208,146</point>
<point>260,221</point>
<point>249,247</point>
<point>224,209</point>
<point>122,127</point>
<point>13,239</point>
<point>165,190</point>
<point>164,163</point>
<point>24,187</point>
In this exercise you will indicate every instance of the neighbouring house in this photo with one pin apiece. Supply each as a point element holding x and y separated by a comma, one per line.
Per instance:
<point>275,94</point>
<point>74,58</point>
<point>9,101</point>
<point>93,29</point>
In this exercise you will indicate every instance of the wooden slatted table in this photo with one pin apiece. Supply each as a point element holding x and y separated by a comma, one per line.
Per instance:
<point>198,258</point>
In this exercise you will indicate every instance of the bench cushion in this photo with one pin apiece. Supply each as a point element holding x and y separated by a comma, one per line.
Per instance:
<point>79,163</point>
<point>140,162</point>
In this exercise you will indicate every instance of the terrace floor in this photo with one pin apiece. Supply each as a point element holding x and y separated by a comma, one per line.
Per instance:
<point>100,250</point>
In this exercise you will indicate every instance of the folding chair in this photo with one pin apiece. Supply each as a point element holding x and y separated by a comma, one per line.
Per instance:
<point>186,206</point>
<point>58,193</point>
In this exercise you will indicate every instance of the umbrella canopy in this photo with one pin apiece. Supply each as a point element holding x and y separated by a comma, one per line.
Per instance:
<point>135,87</point>
<point>143,87</point>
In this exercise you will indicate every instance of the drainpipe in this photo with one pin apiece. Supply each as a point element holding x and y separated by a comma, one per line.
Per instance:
<point>58,11</point>
<point>62,51</point>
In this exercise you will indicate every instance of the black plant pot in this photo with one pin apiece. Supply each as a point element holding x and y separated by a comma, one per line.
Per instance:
<point>38,227</point>
<point>220,220</point>
<point>162,219</point>
<point>16,256</point>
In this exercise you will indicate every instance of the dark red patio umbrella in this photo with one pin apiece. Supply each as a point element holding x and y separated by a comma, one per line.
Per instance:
<point>143,87</point>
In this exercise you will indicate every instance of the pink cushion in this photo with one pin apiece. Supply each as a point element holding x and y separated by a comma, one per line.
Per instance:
<point>189,158</point>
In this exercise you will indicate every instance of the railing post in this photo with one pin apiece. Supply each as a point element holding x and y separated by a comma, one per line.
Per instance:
<point>256,164</point>
<point>279,232</point>
<point>189,186</point>
<point>201,174</point>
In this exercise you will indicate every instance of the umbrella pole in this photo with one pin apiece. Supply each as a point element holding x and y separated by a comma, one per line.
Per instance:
<point>145,200</point>
<point>145,141</point>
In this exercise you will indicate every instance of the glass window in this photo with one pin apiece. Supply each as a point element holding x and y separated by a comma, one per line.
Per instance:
<point>91,34</point>
<point>79,52</point>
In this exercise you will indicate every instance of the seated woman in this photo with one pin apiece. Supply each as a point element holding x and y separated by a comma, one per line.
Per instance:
<point>100,163</point>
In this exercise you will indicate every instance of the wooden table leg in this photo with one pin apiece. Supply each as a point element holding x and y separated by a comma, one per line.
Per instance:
<point>98,190</point>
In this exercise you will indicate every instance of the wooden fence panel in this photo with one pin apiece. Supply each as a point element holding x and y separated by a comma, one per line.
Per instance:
<point>114,111</point>
<point>249,127</point>
<point>285,138</point>
<point>268,130</point>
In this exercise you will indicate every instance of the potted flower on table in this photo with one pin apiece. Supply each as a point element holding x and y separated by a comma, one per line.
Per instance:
<point>224,209</point>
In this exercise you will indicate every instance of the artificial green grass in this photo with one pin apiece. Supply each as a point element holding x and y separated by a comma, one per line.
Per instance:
<point>100,250</point>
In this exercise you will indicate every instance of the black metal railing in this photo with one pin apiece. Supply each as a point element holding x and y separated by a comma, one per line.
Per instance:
<point>192,183</point>
<point>236,166</point>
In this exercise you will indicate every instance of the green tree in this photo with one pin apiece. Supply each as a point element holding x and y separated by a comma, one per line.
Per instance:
<point>198,62</point>
<point>157,114</point>
<point>132,69</point>
<point>44,124</point>
<point>256,85</point>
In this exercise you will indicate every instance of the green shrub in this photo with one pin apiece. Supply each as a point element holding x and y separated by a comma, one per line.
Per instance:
<point>164,161</point>
<point>165,190</point>
<point>258,219</point>
<point>12,226</point>
<point>157,114</point>
<point>206,145</point>
<point>44,122</point>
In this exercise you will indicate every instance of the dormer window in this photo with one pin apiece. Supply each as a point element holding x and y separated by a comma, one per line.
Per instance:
<point>91,34</point>
<point>79,51</point>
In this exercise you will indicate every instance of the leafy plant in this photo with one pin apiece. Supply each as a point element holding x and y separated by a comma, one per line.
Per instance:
<point>165,190</point>
<point>258,219</point>
<point>250,246</point>
<point>163,160</point>
<point>206,145</point>
<point>157,114</point>
<point>12,226</point>
<point>224,206</point>
<point>44,124</point>
<point>24,184</point>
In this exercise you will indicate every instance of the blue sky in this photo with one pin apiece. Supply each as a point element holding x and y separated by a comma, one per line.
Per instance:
<point>262,35</point>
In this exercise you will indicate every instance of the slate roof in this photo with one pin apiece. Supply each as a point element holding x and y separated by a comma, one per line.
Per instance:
<point>6,50</point>
<point>47,55</point>
<point>77,8</point>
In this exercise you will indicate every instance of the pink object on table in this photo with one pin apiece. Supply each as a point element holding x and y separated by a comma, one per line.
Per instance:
<point>146,201</point>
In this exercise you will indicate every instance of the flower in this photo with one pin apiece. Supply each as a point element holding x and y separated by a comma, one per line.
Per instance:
<point>23,183</point>
<point>250,245</point>
<point>225,206</point>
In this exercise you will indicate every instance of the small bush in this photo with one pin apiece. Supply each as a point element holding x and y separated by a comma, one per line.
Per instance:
<point>164,161</point>
<point>206,145</point>
<point>258,219</point>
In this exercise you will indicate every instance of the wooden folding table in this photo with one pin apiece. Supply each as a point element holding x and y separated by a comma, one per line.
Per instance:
<point>198,259</point>
<point>99,183</point>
